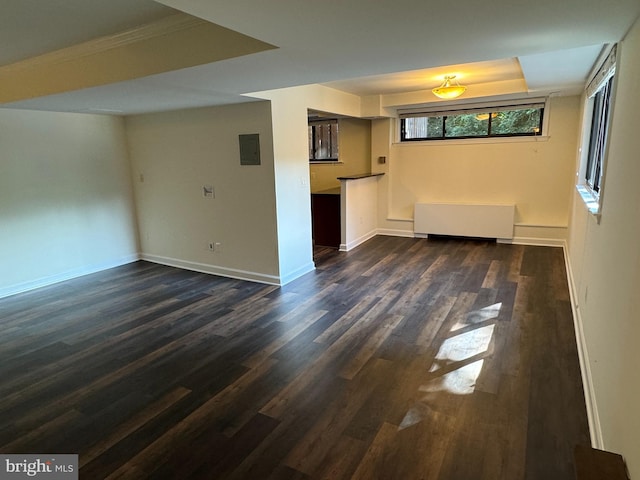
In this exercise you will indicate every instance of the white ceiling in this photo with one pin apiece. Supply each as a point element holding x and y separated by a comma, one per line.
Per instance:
<point>33,27</point>
<point>361,46</point>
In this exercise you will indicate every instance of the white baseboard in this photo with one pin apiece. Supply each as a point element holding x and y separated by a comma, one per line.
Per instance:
<point>213,269</point>
<point>396,233</point>
<point>297,273</point>
<point>172,262</point>
<point>593,418</point>
<point>542,242</point>
<point>358,241</point>
<point>66,275</point>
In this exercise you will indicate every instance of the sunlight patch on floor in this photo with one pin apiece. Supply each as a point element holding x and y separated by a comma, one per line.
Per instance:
<point>479,316</point>
<point>458,363</point>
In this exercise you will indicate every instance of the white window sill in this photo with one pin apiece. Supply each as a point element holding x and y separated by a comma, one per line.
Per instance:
<point>591,200</point>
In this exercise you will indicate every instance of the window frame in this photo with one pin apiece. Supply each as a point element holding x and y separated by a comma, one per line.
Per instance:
<point>312,143</point>
<point>600,120</point>
<point>599,99</point>
<point>476,109</point>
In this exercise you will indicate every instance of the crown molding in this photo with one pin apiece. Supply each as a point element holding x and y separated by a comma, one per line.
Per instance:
<point>165,26</point>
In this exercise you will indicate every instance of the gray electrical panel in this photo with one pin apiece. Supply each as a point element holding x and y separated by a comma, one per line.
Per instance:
<point>249,149</point>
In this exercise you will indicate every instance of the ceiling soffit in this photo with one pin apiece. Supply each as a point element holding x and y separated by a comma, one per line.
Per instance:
<point>172,43</point>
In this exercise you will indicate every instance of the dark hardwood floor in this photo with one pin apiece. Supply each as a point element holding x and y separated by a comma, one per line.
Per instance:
<point>404,359</point>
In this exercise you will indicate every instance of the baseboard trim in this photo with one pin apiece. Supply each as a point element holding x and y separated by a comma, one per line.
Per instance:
<point>534,241</point>
<point>67,275</point>
<point>396,233</point>
<point>595,430</point>
<point>310,267</point>
<point>213,269</point>
<point>358,241</point>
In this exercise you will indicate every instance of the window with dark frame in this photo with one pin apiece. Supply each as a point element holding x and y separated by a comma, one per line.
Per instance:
<point>498,121</point>
<point>598,135</point>
<point>596,123</point>
<point>323,141</point>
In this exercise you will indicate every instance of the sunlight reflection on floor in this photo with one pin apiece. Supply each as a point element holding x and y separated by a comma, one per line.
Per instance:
<point>479,316</point>
<point>456,367</point>
<point>461,381</point>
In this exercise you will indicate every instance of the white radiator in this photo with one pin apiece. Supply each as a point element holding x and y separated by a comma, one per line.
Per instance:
<point>464,220</point>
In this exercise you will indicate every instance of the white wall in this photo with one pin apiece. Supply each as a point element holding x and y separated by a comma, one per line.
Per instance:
<point>359,211</point>
<point>534,174</point>
<point>291,160</point>
<point>605,261</point>
<point>174,155</point>
<point>66,204</point>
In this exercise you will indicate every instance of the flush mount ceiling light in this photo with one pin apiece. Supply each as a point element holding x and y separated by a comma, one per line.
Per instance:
<point>447,90</point>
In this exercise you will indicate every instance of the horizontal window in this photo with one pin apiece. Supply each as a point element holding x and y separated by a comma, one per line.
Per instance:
<point>496,121</point>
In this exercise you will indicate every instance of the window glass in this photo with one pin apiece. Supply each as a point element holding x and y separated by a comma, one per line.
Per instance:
<point>497,121</point>
<point>599,127</point>
<point>323,141</point>
<point>423,127</point>
<point>519,121</point>
<point>466,125</point>
<point>596,124</point>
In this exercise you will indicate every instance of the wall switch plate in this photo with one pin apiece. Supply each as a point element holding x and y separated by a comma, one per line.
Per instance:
<point>207,191</point>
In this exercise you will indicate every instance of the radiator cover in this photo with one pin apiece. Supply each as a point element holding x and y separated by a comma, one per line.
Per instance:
<point>465,220</point>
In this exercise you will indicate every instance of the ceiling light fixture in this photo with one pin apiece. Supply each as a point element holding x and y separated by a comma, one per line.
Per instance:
<point>447,90</point>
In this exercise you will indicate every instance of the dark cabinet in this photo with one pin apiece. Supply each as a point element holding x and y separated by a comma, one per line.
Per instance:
<point>325,214</point>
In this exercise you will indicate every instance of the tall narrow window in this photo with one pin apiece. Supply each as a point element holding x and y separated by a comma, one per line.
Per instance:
<point>598,136</point>
<point>323,141</point>
<point>595,133</point>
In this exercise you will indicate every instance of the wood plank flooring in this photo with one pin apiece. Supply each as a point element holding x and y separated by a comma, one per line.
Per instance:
<point>410,359</point>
